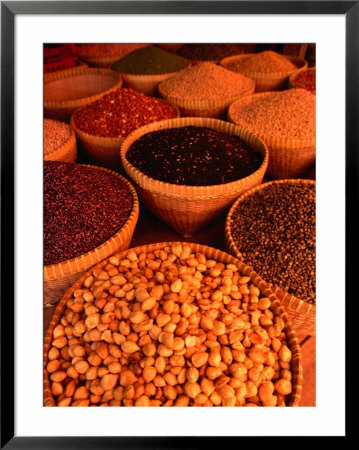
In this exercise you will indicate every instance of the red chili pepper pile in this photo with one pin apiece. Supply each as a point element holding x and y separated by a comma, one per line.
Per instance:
<point>305,80</point>
<point>120,112</point>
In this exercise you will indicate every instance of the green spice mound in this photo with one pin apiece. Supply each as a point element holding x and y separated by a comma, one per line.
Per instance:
<point>263,62</point>
<point>150,61</point>
<point>205,81</point>
<point>274,230</point>
<point>193,156</point>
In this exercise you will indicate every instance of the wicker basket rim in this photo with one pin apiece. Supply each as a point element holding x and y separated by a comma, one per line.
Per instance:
<point>271,142</point>
<point>205,103</point>
<point>132,218</point>
<point>310,308</point>
<point>255,278</point>
<point>190,192</point>
<point>299,62</point>
<point>292,77</point>
<point>104,140</point>
<point>79,101</point>
<point>71,139</point>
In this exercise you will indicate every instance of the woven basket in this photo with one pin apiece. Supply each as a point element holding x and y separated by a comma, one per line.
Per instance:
<point>267,81</point>
<point>59,74</point>
<point>102,150</point>
<point>291,80</point>
<point>288,158</point>
<point>211,253</point>
<point>187,209</point>
<point>204,108</point>
<point>59,277</point>
<point>67,152</point>
<point>301,313</point>
<point>77,88</point>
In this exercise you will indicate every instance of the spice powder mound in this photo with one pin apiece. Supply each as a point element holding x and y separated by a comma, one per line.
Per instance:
<point>193,156</point>
<point>274,230</point>
<point>120,112</point>
<point>209,52</point>
<point>83,208</point>
<point>56,134</point>
<point>263,62</point>
<point>306,80</point>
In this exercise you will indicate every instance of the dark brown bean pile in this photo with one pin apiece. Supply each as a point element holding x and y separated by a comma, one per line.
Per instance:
<point>274,229</point>
<point>209,52</point>
<point>193,156</point>
<point>83,208</point>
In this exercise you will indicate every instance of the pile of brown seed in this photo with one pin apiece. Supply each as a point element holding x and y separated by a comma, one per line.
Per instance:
<point>274,230</point>
<point>56,133</point>
<point>205,81</point>
<point>286,114</point>
<point>263,62</point>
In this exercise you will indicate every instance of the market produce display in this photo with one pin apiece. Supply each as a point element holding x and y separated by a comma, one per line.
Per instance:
<point>144,320</point>
<point>170,325</point>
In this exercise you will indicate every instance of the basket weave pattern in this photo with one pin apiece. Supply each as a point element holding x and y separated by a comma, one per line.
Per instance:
<point>76,89</point>
<point>59,277</point>
<point>302,314</point>
<point>189,208</point>
<point>211,253</point>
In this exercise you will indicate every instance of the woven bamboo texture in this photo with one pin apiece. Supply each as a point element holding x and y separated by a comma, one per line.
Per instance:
<point>302,314</point>
<point>212,253</point>
<point>188,209</point>
<point>288,158</point>
<point>59,74</point>
<point>267,81</point>
<point>62,96</point>
<point>214,108</point>
<point>104,151</point>
<point>59,277</point>
<point>291,80</point>
<point>66,152</point>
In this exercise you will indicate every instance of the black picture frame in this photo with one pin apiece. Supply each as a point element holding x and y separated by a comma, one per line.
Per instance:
<point>9,9</point>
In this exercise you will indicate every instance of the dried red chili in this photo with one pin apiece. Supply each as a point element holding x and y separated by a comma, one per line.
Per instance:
<point>120,112</point>
<point>83,208</point>
<point>305,80</point>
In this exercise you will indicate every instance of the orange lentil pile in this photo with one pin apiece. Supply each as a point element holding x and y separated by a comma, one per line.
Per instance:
<point>263,62</point>
<point>106,49</point>
<point>205,81</point>
<point>286,114</point>
<point>56,133</point>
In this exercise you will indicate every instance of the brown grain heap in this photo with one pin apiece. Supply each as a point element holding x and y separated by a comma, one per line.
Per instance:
<point>274,230</point>
<point>169,327</point>
<point>205,81</point>
<point>83,208</point>
<point>209,52</point>
<point>263,62</point>
<point>56,134</point>
<point>286,114</point>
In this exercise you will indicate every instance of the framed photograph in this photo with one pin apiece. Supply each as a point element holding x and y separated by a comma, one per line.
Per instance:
<point>223,339</point>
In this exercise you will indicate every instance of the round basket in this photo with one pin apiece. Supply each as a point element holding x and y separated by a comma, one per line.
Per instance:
<point>67,152</point>
<point>212,253</point>
<point>102,150</point>
<point>59,277</point>
<point>77,88</point>
<point>59,74</point>
<point>204,108</point>
<point>289,158</point>
<point>300,313</point>
<point>291,80</point>
<point>267,81</point>
<point>188,209</point>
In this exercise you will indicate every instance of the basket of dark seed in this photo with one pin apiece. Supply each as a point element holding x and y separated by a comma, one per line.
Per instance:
<point>272,229</point>
<point>188,171</point>
<point>59,141</point>
<point>89,213</point>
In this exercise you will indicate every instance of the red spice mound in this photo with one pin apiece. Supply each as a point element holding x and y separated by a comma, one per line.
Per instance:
<point>305,80</point>
<point>56,133</point>
<point>98,50</point>
<point>120,112</point>
<point>263,62</point>
<point>205,81</point>
<point>83,208</point>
